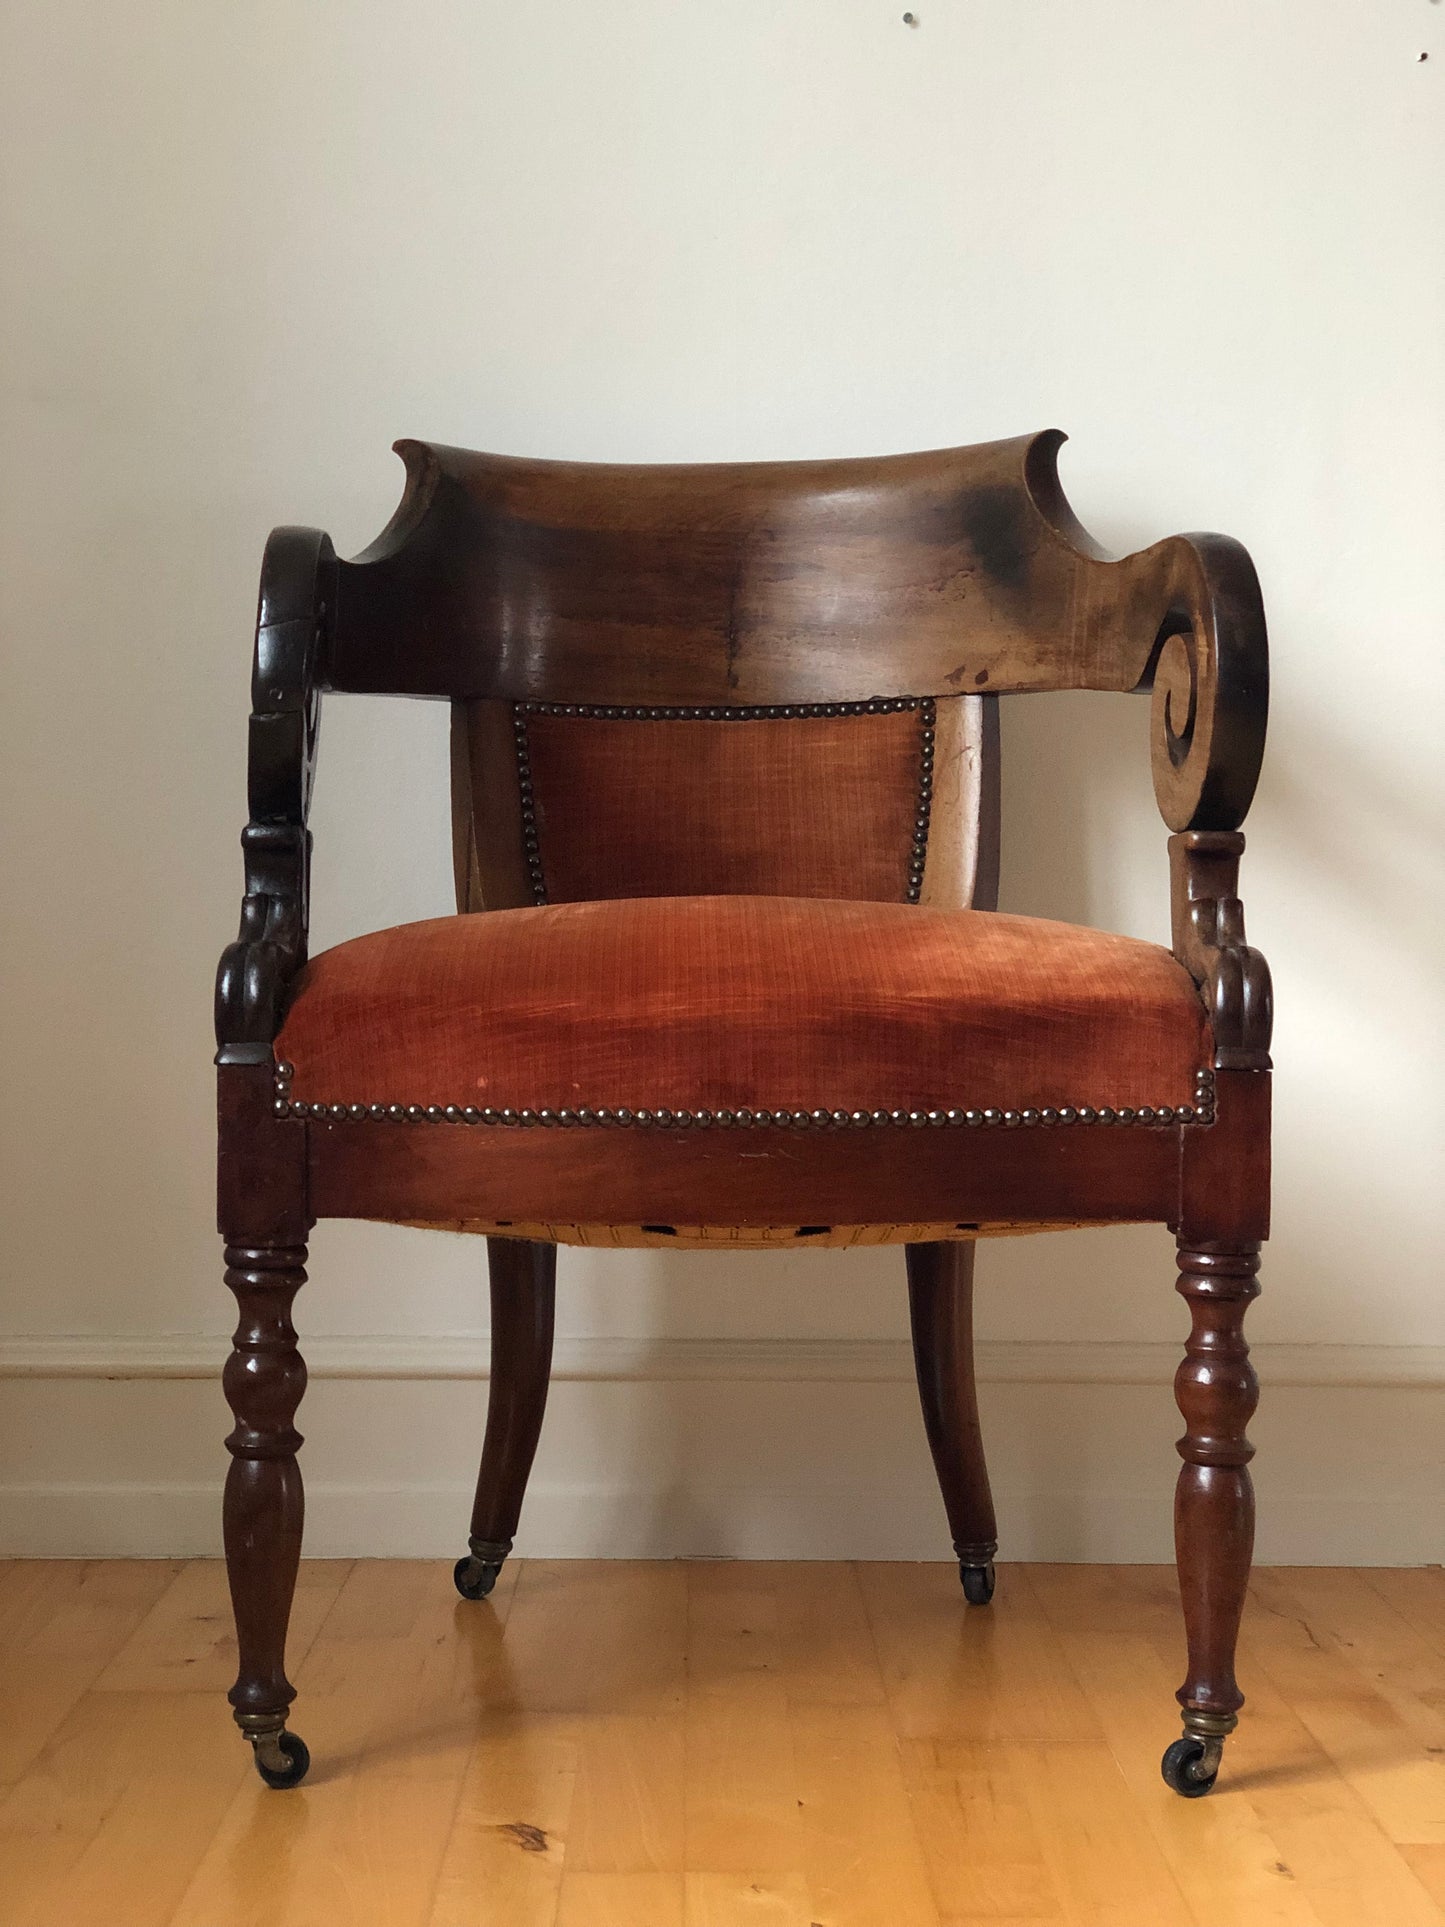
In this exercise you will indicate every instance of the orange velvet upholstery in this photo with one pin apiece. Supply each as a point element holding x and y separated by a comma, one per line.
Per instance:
<point>789,806</point>
<point>731,1003</point>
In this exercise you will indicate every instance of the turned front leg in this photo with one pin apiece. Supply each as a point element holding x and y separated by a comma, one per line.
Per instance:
<point>1217,1392</point>
<point>264,1379</point>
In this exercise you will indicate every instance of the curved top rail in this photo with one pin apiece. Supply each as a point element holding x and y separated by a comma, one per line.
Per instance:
<point>953,571</point>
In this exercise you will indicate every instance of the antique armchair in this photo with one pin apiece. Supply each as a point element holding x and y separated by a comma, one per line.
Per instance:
<point>726,966</point>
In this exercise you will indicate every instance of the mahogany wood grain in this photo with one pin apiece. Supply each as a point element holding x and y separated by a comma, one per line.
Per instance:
<point>1208,920</point>
<point>487,809</point>
<point>961,868</point>
<point>524,1294</point>
<point>945,573</point>
<point>261,1167</point>
<point>1224,1171</point>
<point>427,1172</point>
<point>940,1302</point>
<point>264,1379</point>
<point>1217,1391</point>
<point>296,606</point>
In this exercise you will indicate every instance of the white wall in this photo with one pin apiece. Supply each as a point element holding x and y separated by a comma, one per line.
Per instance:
<point>245,246</point>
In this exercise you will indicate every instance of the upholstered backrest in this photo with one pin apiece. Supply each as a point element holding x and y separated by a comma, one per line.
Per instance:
<point>889,800</point>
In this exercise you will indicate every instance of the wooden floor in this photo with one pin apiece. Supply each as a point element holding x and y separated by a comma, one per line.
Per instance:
<point>720,1745</point>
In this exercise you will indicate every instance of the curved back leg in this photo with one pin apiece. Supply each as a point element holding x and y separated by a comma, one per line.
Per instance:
<point>524,1284</point>
<point>940,1304</point>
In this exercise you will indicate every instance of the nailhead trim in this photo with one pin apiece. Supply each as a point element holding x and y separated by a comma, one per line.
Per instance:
<point>918,855</point>
<point>1200,1112</point>
<point>725,712</point>
<point>719,713</point>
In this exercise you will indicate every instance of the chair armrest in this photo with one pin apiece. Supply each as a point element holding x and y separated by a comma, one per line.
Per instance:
<point>1210,678</point>
<point>1210,703</point>
<point>298,596</point>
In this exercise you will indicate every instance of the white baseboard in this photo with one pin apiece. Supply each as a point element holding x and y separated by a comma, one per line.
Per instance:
<point>752,1448</point>
<point>463,1355</point>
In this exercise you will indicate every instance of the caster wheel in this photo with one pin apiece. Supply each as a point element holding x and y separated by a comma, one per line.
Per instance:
<point>298,1762</point>
<point>1180,1767</point>
<point>977,1583</point>
<point>474,1578</point>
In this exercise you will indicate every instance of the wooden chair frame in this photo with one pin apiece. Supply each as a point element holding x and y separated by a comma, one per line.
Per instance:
<point>960,571</point>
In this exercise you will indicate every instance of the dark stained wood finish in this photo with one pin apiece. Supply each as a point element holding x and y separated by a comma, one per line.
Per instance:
<point>524,1293</point>
<point>940,1303</point>
<point>988,833</point>
<point>297,602</point>
<point>1208,920</point>
<point>953,572</point>
<point>956,572</point>
<point>1217,1392</point>
<point>264,1380</point>
<point>487,810</point>
<point>432,1173</point>
<point>1224,1171</point>
<point>261,1167</point>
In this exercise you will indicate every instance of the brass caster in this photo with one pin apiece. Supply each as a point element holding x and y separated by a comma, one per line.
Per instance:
<point>1187,1767</point>
<point>1191,1764</point>
<point>978,1582</point>
<point>281,1759</point>
<point>476,1575</point>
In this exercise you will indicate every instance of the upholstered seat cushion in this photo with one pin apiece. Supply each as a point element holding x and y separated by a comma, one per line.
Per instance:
<point>744,1004</point>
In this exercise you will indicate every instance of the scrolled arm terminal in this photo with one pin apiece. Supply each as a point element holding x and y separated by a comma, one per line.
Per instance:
<point>1210,677</point>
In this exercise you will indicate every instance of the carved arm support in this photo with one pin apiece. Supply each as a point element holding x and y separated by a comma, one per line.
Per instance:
<point>298,596</point>
<point>1210,702</point>
<point>1208,920</point>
